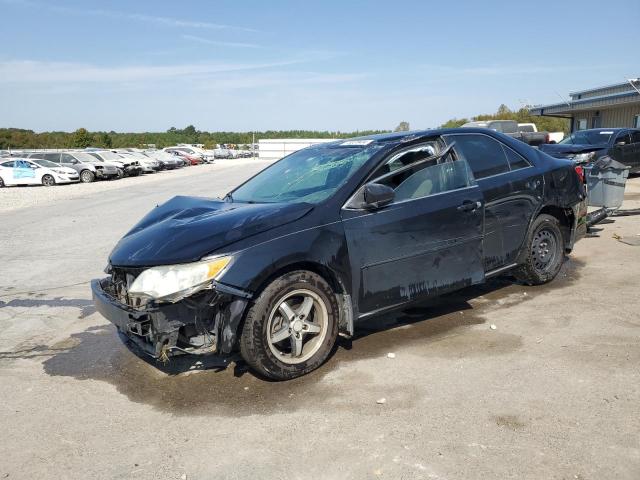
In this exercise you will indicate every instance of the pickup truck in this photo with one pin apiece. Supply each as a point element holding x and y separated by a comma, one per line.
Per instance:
<point>510,128</point>
<point>554,137</point>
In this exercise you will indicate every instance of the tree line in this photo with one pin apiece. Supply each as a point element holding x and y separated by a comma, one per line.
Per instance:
<point>14,138</point>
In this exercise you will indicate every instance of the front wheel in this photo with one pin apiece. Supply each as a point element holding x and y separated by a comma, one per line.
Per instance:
<point>544,252</point>
<point>292,327</point>
<point>48,181</point>
<point>87,176</point>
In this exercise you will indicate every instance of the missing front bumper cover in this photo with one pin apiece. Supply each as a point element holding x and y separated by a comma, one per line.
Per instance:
<point>206,322</point>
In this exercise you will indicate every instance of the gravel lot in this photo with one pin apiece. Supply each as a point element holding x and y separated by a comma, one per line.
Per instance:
<point>553,392</point>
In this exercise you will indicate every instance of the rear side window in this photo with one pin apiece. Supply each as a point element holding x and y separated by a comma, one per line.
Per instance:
<point>8,164</point>
<point>484,154</point>
<point>516,160</point>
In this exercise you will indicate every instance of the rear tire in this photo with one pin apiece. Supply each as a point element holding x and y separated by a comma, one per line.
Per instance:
<point>87,176</point>
<point>48,180</point>
<point>292,327</point>
<point>544,252</point>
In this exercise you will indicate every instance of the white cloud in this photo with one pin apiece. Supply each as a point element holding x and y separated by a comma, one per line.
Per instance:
<point>153,19</point>
<point>220,43</point>
<point>28,71</point>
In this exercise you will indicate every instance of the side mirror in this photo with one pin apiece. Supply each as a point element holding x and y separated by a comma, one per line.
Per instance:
<point>377,195</point>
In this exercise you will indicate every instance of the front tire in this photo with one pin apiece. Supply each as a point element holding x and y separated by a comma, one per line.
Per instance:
<point>48,180</point>
<point>544,252</point>
<point>87,176</point>
<point>292,327</point>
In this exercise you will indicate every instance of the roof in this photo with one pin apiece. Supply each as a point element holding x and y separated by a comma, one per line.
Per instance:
<point>607,87</point>
<point>403,137</point>
<point>602,101</point>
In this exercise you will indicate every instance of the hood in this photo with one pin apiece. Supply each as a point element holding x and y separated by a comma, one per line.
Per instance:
<point>562,150</point>
<point>185,229</point>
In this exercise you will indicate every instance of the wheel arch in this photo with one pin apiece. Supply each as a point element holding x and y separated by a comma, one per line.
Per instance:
<point>337,283</point>
<point>565,217</point>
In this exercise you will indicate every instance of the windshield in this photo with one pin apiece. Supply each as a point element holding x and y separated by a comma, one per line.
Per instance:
<point>161,155</point>
<point>588,137</point>
<point>310,175</point>
<point>85,157</point>
<point>46,163</point>
<point>106,155</point>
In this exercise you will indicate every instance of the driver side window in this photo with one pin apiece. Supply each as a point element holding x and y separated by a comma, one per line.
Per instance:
<point>66,158</point>
<point>427,177</point>
<point>623,139</point>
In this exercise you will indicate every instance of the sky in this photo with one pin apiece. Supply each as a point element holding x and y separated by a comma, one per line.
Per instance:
<point>337,65</point>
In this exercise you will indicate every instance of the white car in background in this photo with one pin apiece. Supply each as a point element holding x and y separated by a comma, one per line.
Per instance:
<point>193,152</point>
<point>148,165</point>
<point>170,161</point>
<point>129,167</point>
<point>20,171</point>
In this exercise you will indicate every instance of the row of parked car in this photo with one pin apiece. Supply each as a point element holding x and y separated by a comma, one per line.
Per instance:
<point>49,167</point>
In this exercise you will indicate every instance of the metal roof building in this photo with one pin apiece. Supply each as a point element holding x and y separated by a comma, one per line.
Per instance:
<point>602,107</point>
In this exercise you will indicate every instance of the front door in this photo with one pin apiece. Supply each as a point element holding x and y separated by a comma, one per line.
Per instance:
<point>427,242</point>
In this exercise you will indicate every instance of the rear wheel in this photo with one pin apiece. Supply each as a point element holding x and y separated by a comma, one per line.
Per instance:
<point>545,252</point>
<point>87,176</point>
<point>48,180</point>
<point>292,327</point>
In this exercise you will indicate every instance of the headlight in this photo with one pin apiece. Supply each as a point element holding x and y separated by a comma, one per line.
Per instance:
<point>583,157</point>
<point>159,282</point>
<point>57,170</point>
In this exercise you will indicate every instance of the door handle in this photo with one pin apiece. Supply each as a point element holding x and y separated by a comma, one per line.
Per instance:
<point>469,206</point>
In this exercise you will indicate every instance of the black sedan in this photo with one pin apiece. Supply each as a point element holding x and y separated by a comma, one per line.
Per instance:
<point>585,146</point>
<point>334,234</point>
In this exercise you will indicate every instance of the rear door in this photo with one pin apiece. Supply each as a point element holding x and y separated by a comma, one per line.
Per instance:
<point>24,173</point>
<point>511,188</point>
<point>427,242</point>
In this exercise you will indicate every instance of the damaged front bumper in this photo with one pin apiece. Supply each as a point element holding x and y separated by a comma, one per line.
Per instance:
<point>206,322</point>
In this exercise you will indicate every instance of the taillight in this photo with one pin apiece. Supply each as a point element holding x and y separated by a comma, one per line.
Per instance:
<point>580,172</point>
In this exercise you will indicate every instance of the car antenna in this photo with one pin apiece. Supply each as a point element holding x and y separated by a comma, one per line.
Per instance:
<point>632,82</point>
<point>563,99</point>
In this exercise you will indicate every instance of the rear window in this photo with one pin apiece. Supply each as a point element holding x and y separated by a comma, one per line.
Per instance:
<point>484,154</point>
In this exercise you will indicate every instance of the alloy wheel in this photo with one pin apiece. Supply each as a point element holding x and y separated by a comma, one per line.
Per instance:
<point>297,326</point>
<point>48,181</point>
